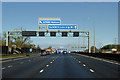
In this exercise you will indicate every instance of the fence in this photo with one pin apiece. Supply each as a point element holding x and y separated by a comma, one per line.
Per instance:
<point>17,51</point>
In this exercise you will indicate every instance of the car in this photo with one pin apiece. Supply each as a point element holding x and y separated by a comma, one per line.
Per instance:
<point>43,53</point>
<point>48,52</point>
<point>64,52</point>
<point>69,51</point>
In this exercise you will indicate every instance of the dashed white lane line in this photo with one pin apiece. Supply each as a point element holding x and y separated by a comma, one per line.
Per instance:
<point>47,65</point>
<point>3,68</point>
<point>84,65</point>
<point>53,60</point>
<point>91,70</point>
<point>9,66</point>
<point>50,62</point>
<point>41,71</point>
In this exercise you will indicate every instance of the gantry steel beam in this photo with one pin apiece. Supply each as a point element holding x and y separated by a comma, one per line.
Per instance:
<point>47,34</point>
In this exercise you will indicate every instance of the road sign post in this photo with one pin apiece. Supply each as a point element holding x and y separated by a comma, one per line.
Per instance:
<point>7,40</point>
<point>30,49</point>
<point>89,42</point>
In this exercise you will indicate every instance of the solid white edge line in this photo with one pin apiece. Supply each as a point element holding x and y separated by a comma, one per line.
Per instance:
<point>21,62</point>
<point>10,66</point>
<point>101,59</point>
<point>3,68</point>
<point>12,60</point>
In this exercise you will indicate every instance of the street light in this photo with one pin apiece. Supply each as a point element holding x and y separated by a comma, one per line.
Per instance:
<point>94,40</point>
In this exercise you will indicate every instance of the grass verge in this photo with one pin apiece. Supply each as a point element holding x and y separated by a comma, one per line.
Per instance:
<point>18,55</point>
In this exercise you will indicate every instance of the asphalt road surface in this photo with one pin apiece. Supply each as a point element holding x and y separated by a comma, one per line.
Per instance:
<point>59,66</point>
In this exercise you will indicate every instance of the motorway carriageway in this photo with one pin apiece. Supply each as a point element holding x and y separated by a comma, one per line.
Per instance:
<point>59,66</point>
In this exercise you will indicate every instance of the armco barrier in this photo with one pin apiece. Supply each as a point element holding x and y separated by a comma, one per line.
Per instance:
<point>115,57</point>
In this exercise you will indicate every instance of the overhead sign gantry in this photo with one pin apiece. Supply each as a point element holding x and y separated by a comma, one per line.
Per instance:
<point>52,27</point>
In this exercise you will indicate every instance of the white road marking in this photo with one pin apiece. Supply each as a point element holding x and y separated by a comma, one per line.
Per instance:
<point>9,66</point>
<point>29,60</point>
<point>79,61</point>
<point>41,71</point>
<point>3,68</point>
<point>12,60</point>
<point>116,63</point>
<point>53,60</point>
<point>91,70</point>
<point>20,58</point>
<point>5,61</point>
<point>101,59</point>
<point>47,65</point>
<point>84,65</point>
<point>50,62</point>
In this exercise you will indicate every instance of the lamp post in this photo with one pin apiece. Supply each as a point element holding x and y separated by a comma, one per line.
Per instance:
<point>94,40</point>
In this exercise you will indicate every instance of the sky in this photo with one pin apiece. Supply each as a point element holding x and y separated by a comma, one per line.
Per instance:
<point>104,15</point>
<point>60,0</point>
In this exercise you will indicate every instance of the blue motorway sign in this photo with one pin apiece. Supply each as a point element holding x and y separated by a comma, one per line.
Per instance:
<point>49,22</point>
<point>30,50</point>
<point>66,27</point>
<point>42,27</point>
